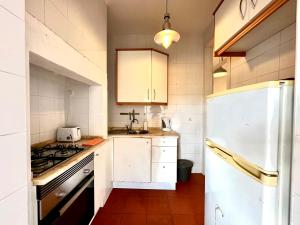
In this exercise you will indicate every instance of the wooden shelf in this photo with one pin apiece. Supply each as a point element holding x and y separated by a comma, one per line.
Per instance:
<point>277,16</point>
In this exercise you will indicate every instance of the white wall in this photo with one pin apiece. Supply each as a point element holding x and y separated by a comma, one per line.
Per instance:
<point>57,101</point>
<point>272,59</point>
<point>13,133</point>
<point>82,24</point>
<point>47,104</point>
<point>185,91</point>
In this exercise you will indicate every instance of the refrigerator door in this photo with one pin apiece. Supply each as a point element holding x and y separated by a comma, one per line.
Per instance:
<point>247,121</point>
<point>232,198</point>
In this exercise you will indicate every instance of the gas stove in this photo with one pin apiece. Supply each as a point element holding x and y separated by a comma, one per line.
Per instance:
<point>51,155</point>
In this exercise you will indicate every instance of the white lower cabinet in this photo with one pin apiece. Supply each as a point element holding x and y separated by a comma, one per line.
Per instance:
<point>103,173</point>
<point>164,172</point>
<point>164,159</point>
<point>145,163</point>
<point>132,159</point>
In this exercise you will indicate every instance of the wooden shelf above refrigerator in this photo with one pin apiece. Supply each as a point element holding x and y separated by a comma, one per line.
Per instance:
<point>277,15</point>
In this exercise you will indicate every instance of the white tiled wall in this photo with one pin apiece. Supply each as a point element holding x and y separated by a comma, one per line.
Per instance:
<point>14,154</point>
<point>185,91</point>
<point>56,101</point>
<point>82,24</point>
<point>47,104</point>
<point>273,59</point>
<point>77,105</point>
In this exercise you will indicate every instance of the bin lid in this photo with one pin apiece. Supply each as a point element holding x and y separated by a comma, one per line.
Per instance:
<point>184,163</point>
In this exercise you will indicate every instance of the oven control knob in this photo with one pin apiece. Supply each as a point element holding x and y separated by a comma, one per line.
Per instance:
<point>60,194</point>
<point>86,171</point>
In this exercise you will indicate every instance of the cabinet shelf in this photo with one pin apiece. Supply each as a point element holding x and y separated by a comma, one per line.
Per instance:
<point>277,15</point>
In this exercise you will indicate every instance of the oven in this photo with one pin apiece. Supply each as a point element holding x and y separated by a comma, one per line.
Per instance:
<point>69,198</point>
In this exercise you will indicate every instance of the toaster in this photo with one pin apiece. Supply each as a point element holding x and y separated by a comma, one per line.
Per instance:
<point>68,134</point>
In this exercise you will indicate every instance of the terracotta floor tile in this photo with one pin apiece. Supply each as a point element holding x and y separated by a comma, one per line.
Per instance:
<point>158,205</point>
<point>107,219</point>
<point>114,205</point>
<point>181,205</point>
<point>135,205</point>
<point>184,220</point>
<point>133,219</point>
<point>159,220</point>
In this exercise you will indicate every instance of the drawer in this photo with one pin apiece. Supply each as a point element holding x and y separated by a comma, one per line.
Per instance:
<point>164,141</point>
<point>164,172</point>
<point>164,154</point>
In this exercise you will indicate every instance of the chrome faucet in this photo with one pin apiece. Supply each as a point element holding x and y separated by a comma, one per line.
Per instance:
<point>132,120</point>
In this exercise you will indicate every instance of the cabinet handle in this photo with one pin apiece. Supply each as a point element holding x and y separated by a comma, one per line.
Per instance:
<point>164,167</point>
<point>154,94</point>
<point>254,2</point>
<point>148,94</point>
<point>243,13</point>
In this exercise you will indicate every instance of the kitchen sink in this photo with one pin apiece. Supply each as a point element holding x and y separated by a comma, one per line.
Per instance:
<point>126,132</point>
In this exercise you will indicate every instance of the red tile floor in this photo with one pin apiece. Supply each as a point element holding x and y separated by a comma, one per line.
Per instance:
<point>185,206</point>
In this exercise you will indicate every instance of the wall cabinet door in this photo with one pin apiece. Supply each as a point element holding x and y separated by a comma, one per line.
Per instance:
<point>256,6</point>
<point>132,159</point>
<point>159,77</point>
<point>133,76</point>
<point>142,76</point>
<point>103,173</point>
<point>229,19</point>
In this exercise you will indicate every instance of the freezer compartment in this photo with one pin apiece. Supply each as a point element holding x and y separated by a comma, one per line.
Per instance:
<point>247,121</point>
<point>232,197</point>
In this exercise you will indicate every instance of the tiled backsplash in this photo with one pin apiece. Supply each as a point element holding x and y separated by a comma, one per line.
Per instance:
<point>52,106</point>
<point>185,104</point>
<point>273,59</point>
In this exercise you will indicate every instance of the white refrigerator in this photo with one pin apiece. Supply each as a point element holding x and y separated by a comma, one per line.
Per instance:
<point>248,155</point>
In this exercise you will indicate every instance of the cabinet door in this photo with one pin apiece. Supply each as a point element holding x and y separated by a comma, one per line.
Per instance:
<point>99,173</point>
<point>256,6</point>
<point>229,19</point>
<point>132,158</point>
<point>159,77</point>
<point>133,76</point>
<point>108,169</point>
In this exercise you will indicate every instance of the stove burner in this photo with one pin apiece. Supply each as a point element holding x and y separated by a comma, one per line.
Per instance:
<point>51,155</point>
<point>39,162</point>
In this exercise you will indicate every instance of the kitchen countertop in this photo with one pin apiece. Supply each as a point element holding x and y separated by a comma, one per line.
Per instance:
<point>153,132</point>
<point>65,165</point>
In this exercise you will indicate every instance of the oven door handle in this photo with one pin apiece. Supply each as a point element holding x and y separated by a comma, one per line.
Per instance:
<point>72,200</point>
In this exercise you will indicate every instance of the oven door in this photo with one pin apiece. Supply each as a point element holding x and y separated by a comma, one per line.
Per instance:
<point>77,208</point>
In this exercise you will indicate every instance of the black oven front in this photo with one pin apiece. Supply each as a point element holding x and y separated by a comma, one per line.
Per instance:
<point>69,198</point>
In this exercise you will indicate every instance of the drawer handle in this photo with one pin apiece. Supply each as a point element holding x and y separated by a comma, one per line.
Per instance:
<point>164,150</point>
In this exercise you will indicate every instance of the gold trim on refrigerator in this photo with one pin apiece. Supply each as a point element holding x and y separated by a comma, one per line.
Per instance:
<point>269,178</point>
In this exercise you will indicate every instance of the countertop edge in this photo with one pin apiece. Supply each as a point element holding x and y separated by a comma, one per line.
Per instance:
<point>52,174</point>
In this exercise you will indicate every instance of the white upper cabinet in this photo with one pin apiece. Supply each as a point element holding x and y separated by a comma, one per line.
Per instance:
<point>229,19</point>
<point>242,24</point>
<point>134,76</point>
<point>142,76</point>
<point>159,77</point>
<point>256,6</point>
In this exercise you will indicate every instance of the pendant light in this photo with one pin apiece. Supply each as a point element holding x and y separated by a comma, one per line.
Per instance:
<point>167,36</point>
<point>220,71</point>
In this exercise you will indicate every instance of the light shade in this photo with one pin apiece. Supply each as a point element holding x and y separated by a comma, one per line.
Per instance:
<point>166,37</point>
<point>220,72</point>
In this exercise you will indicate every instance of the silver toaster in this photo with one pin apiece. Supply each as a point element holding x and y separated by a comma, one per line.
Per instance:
<point>68,134</point>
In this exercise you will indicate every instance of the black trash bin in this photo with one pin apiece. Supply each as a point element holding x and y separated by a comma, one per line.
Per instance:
<point>184,169</point>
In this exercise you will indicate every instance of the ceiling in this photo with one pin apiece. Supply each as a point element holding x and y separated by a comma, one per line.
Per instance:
<point>146,16</point>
